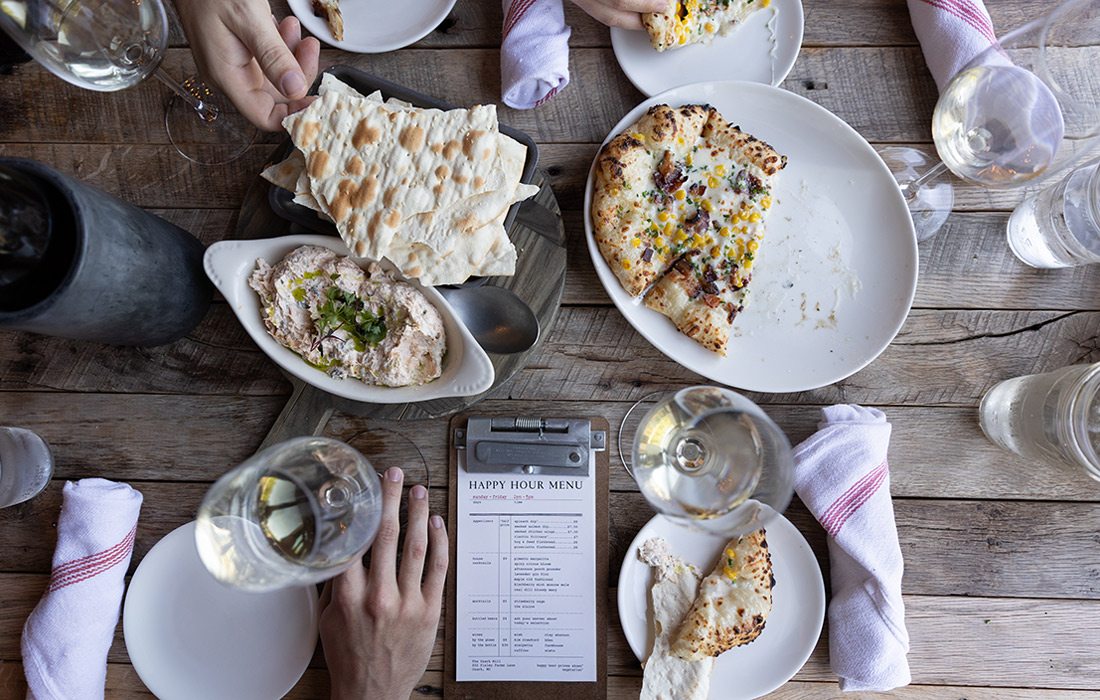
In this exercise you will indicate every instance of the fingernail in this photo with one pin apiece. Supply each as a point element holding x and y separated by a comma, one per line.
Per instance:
<point>419,492</point>
<point>437,522</point>
<point>394,474</point>
<point>293,83</point>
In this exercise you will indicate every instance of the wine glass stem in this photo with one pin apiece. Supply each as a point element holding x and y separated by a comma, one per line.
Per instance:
<point>912,188</point>
<point>205,111</point>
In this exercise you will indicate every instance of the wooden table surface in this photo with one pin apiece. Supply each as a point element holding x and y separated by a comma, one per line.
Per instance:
<point>1002,580</point>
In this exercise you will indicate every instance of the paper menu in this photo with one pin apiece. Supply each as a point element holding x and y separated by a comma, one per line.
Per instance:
<point>526,577</point>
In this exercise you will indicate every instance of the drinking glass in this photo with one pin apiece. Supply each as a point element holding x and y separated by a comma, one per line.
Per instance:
<point>1059,226</point>
<point>708,458</point>
<point>296,513</point>
<point>1024,111</point>
<point>110,45</point>
<point>1054,416</point>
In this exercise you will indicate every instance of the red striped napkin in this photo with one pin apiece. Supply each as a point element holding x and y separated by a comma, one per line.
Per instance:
<point>534,52</point>
<point>67,636</point>
<point>951,33</point>
<point>842,476</point>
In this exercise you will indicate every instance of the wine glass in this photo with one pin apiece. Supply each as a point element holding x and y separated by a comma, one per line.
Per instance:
<point>708,458</point>
<point>295,513</point>
<point>109,45</point>
<point>1022,112</point>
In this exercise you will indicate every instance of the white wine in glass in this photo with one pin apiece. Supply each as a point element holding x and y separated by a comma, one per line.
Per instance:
<point>707,457</point>
<point>109,45</point>
<point>296,513</point>
<point>1024,111</point>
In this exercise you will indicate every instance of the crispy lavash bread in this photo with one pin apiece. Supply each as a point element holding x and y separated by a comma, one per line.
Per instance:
<point>733,602</point>
<point>625,168</point>
<point>444,246</point>
<point>675,582</point>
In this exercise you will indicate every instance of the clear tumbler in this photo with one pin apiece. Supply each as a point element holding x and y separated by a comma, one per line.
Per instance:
<point>1053,416</point>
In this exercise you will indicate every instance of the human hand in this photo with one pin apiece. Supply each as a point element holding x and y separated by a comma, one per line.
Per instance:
<point>621,13</point>
<point>263,67</point>
<point>378,627</point>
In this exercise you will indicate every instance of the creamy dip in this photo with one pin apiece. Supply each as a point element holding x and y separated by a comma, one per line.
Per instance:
<point>348,322</point>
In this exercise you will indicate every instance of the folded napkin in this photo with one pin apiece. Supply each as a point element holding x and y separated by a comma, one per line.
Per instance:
<point>66,637</point>
<point>951,33</point>
<point>534,52</point>
<point>842,476</point>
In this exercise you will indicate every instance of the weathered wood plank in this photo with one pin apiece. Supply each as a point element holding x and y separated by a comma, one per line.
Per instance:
<point>978,548</point>
<point>1056,651</point>
<point>947,358</point>
<point>123,437</point>
<point>885,93</point>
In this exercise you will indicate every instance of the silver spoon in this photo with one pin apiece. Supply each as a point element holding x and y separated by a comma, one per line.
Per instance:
<point>499,320</point>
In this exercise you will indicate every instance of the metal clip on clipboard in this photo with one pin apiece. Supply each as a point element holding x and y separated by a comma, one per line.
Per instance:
<point>558,446</point>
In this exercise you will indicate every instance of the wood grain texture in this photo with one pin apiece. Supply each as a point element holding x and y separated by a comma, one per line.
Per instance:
<point>940,357</point>
<point>196,438</point>
<point>951,547</point>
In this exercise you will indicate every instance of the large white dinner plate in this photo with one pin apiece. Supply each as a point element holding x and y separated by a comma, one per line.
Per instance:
<point>467,370</point>
<point>792,629</point>
<point>376,27</point>
<point>762,50</point>
<point>837,268</point>
<point>189,636</point>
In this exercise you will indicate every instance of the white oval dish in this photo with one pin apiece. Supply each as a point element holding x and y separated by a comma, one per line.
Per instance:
<point>190,636</point>
<point>838,266</point>
<point>793,627</point>
<point>467,370</point>
<point>376,27</point>
<point>762,50</point>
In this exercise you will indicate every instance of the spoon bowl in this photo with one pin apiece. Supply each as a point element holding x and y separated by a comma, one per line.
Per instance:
<point>499,320</point>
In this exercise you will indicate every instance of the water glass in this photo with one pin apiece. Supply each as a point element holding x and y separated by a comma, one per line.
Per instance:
<point>26,465</point>
<point>1060,225</point>
<point>1053,416</point>
<point>296,513</point>
<point>709,458</point>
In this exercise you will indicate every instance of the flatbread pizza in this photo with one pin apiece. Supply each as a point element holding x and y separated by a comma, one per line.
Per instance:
<point>678,208</point>
<point>687,22</point>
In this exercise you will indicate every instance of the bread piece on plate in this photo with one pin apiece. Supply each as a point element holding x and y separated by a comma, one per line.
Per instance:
<point>329,10</point>
<point>733,602</point>
<point>675,583</point>
<point>687,22</point>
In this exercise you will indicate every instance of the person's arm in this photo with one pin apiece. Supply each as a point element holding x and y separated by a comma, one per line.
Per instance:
<point>621,13</point>
<point>378,626</point>
<point>263,67</point>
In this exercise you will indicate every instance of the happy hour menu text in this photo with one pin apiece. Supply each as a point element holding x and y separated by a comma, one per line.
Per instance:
<point>526,605</point>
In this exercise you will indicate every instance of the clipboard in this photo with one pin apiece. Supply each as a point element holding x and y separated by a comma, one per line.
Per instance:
<point>531,690</point>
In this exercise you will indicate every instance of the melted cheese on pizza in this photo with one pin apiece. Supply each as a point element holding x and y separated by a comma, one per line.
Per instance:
<point>697,21</point>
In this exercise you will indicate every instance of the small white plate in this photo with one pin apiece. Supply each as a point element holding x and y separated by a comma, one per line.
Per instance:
<point>762,50</point>
<point>467,370</point>
<point>792,629</point>
<point>837,268</point>
<point>376,27</point>
<point>189,636</point>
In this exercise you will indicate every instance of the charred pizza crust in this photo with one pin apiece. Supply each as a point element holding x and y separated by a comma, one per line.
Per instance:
<point>687,22</point>
<point>678,206</point>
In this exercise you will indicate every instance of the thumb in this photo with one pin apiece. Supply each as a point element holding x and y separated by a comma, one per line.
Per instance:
<point>275,58</point>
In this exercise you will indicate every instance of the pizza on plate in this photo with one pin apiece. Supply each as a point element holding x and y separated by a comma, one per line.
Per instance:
<point>678,208</point>
<point>696,21</point>
<point>329,10</point>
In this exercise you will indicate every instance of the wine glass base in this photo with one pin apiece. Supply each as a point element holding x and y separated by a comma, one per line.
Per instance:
<point>215,142</point>
<point>386,448</point>
<point>930,204</point>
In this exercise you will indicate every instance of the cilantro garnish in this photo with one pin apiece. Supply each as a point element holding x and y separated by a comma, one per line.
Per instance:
<point>344,311</point>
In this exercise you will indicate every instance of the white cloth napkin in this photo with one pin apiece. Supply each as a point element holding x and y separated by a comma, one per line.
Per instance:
<point>534,52</point>
<point>951,33</point>
<point>66,637</point>
<point>842,476</point>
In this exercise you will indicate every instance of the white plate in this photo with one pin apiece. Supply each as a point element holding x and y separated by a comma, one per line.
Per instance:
<point>467,370</point>
<point>762,50</point>
<point>839,242</point>
<point>189,636</point>
<point>376,27</point>
<point>792,629</point>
